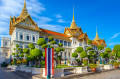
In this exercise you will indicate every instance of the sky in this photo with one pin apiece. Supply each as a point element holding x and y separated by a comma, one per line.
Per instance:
<point>55,15</point>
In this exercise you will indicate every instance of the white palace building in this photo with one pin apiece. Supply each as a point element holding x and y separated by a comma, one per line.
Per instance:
<point>23,30</point>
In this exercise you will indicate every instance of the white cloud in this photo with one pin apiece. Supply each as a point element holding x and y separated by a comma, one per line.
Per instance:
<point>58,16</point>
<point>61,21</point>
<point>35,8</point>
<point>13,8</point>
<point>115,35</point>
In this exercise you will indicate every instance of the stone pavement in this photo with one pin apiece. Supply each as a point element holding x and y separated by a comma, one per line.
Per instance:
<point>115,74</point>
<point>9,74</point>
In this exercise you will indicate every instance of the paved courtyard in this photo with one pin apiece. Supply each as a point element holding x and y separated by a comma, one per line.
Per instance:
<point>115,74</point>
<point>9,74</point>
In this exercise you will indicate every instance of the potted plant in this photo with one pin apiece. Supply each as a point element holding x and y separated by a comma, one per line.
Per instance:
<point>24,62</point>
<point>116,64</point>
<point>93,67</point>
<point>18,62</point>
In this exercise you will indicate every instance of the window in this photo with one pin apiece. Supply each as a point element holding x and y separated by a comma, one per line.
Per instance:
<point>28,37</point>
<point>46,39</point>
<point>21,46</point>
<point>6,54</point>
<point>61,54</point>
<point>69,55</point>
<point>21,36</point>
<point>69,44</point>
<point>57,41</point>
<point>5,43</point>
<point>33,38</point>
<point>65,55</point>
<point>61,41</point>
<point>41,37</point>
<point>26,47</point>
<point>65,43</point>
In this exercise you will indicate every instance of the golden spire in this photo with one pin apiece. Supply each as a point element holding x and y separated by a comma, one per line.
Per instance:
<point>96,37</point>
<point>73,24</point>
<point>24,3</point>
<point>73,15</point>
<point>24,11</point>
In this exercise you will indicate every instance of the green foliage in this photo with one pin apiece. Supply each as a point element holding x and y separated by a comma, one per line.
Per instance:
<point>44,54</point>
<point>36,53</point>
<point>59,58</point>
<point>116,48</point>
<point>116,64</point>
<point>42,63</point>
<point>31,46</point>
<point>41,41</point>
<point>89,48</point>
<point>50,38</point>
<point>93,66</point>
<point>100,47</point>
<point>58,49</point>
<point>60,44</point>
<point>85,62</point>
<point>78,60</point>
<point>30,58</point>
<point>75,55</point>
<point>19,62</point>
<point>44,46</point>
<point>79,49</point>
<point>89,42</point>
<point>53,42</point>
<point>83,54</point>
<point>118,54</point>
<point>108,49</point>
<point>105,55</point>
<point>13,54</point>
<point>62,49</point>
<point>22,55</point>
<point>26,50</point>
<point>14,48</point>
<point>17,45</point>
<point>51,47</point>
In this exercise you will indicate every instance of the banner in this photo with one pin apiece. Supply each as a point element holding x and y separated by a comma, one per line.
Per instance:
<point>49,61</point>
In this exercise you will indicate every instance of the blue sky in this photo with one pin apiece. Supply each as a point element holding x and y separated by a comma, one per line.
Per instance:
<point>57,14</point>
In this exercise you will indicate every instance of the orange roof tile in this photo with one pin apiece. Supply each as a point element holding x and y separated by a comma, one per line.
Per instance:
<point>54,33</point>
<point>81,35</point>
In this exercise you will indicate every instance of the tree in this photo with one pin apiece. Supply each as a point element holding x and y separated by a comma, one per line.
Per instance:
<point>44,46</point>
<point>100,47</point>
<point>89,48</point>
<point>36,53</point>
<point>50,38</point>
<point>83,54</point>
<point>89,42</point>
<point>108,49</point>
<point>116,48</point>
<point>106,56</point>
<point>26,50</point>
<point>31,46</point>
<point>74,55</point>
<point>41,41</point>
<point>79,49</point>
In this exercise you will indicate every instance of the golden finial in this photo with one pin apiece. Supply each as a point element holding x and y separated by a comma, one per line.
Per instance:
<point>96,37</point>
<point>24,3</point>
<point>96,31</point>
<point>73,15</point>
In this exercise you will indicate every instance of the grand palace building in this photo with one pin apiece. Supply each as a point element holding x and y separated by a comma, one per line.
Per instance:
<point>23,30</point>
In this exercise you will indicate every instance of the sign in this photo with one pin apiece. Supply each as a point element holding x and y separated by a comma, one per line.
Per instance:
<point>49,61</point>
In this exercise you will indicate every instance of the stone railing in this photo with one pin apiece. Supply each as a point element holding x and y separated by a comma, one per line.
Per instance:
<point>30,69</point>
